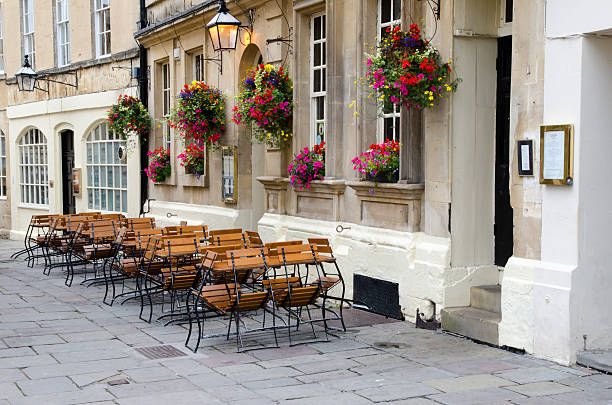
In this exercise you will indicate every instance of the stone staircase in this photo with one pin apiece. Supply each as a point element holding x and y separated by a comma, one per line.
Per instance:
<point>480,320</point>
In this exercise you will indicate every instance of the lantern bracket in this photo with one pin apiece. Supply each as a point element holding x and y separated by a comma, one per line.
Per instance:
<point>218,61</point>
<point>47,79</point>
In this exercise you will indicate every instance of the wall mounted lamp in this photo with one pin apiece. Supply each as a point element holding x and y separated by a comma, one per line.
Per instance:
<point>27,78</point>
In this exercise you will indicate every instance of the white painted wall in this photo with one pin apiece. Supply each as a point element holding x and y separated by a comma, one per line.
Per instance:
<point>80,114</point>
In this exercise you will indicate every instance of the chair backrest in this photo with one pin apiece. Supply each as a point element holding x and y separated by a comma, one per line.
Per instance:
<point>273,245</point>
<point>151,247</point>
<point>228,239</point>
<point>322,245</point>
<point>252,239</point>
<point>298,254</point>
<point>141,223</point>
<point>200,230</point>
<point>40,220</point>
<point>171,230</point>
<point>102,228</point>
<point>120,237</point>
<point>224,231</point>
<point>244,261</point>
<point>114,216</point>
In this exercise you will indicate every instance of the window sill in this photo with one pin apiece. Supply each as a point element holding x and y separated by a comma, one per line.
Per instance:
<point>2,75</point>
<point>3,197</point>
<point>33,206</point>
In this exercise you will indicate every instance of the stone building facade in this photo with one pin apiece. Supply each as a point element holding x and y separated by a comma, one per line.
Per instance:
<point>460,215</point>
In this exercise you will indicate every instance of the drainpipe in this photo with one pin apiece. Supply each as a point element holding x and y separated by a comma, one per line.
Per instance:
<point>144,97</point>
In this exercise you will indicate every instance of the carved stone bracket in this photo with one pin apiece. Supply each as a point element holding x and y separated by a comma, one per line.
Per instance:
<point>322,200</point>
<point>390,205</point>
<point>276,193</point>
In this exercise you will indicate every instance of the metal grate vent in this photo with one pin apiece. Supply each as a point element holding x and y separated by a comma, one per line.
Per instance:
<point>380,296</point>
<point>160,352</point>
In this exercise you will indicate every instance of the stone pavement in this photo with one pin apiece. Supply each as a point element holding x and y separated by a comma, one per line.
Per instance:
<point>61,345</point>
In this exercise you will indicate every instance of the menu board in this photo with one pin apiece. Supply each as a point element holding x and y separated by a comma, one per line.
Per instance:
<point>556,154</point>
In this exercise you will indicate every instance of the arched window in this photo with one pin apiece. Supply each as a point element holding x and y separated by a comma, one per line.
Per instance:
<point>106,172</point>
<point>2,164</point>
<point>33,170</point>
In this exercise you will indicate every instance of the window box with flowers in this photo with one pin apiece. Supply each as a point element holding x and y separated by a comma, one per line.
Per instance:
<point>266,103</point>
<point>380,163</point>
<point>193,159</point>
<point>159,165</point>
<point>307,166</point>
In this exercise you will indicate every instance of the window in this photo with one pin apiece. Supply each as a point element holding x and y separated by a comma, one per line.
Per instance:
<point>27,8</point>
<point>1,45</point>
<point>106,172</point>
<point>2,165</point>
<point>166,103</point>
<point>389,15</point>
<point>103,33</point>
<point>317,78</point>
<point>33,171</point>
<point>198,67</point>
<point>62,32</point>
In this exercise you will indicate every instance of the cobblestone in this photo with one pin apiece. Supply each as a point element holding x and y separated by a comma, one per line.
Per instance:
<point>61,345</point>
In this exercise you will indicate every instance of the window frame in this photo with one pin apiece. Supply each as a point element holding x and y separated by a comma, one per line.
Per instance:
<point>109,138</point>
<point>1,43</point>
<point>395,114</point>
<point>62,25</point>
<point>3,183</point>
<point>38,183</point>
<point>28,31</point>
<point>316,95</point>
<point>195,71</point>
<point>100,35</point>
<point>166,88</point>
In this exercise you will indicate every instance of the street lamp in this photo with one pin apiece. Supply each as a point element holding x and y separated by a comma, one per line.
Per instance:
<point>223,29</point>
<point>26,76</point>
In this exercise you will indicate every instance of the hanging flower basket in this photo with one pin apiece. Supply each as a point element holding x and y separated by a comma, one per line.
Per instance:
<point>159,165</point>
<point>199,114</point>
<point>407,71</point>
<point>193,159</point>
<point>266,102</point>
<point>129,115</point>
<point>307,166</point>
<point>380,163</point>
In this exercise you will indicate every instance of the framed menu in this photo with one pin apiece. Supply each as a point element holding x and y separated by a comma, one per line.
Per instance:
<point>556,155</point>
<point>525,157</point>
<point>76,182</point>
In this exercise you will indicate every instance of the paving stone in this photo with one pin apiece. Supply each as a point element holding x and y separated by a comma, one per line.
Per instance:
<point>17,352</point>
<point>219,360</point>
<point>271,383</point>
<point>413,401</point>
<point>283,352</point>
<point>185,366</point>
<point>89,355</point>
<point>11,375</point>
<point>107,345</point>
<point>334,399</point>
<point>477,366</point>
<point>529,375</point>
<point>477,397</point>
<point>149,374</point>
<point>264,374</point>
<point>597,381</point>
<point>379,358</point>
<point>322,366</point>
<point>338,345</point>
<point>66,398</point>
<point>27,361</point>
<point>87,336</point>
<point>468,383</point>
<point>540,389</point>
<point>152,388</point>
<point>9,390</point>
<point>47,386</point>
<point>396,392</point>
<point>20,341</point>
<point>327,376</point>
<point>83,380</point>
<point>591,397</point>
<point>171,398</point>
<point>235,393</point>
<point>239,369</point>
<point>212,379</point>
<point>57,370</point>
<point>296,392</point>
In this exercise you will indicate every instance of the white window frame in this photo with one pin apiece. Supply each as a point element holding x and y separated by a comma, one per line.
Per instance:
<point>103,37</point>
<point>1,44</point>
<point>27,24</point>
<point>395,114</point>
<point>198,66</point>
<point>3,183</point>
<point>166,91</point>
<point>62,32</point>
<point>322,93</point>
<point>33,169</point>
<point>105,143</point>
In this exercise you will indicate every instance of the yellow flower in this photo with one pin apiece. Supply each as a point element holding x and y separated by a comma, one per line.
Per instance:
<point>431,104</point>
<point>268,67</point>
<point>194,82</point>
<point>431,97</point>
<point>352,104</point>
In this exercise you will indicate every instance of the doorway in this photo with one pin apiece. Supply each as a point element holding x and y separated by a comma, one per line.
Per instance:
<point>69,203</point>
<point>503,228</point>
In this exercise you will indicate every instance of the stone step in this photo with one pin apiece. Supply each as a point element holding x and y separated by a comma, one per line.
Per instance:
<point>487,297</point>
<point>474,323</point>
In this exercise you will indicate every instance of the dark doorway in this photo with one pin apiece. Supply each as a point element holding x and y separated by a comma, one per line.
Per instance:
<point>67,166</point>
<point>503,228</point>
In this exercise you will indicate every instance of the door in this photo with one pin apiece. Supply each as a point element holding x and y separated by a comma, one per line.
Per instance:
<point>503,228</point>
<point>69,205</point>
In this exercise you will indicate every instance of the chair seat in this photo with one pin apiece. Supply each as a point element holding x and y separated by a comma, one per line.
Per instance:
<point>328,282</point>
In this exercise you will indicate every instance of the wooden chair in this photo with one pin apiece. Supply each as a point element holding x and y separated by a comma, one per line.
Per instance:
<point>140,223</point>
<point>228,239</point>
<point>329,279</point>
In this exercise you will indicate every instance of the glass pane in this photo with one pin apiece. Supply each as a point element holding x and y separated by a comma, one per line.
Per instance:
<point>109,153</point>
<point>103,153</point>
<point>96,182</point>
<point>317,55</point>
<point>96,151</point>
<point>323,27</point>
<point>317,81</point>
<point>97,198</point>
<point>89,198</point>
<point>317,28</point>
<point>117,172</point>
<point>320,108</point>
<point>103,199</point>
<point>109,174</point>
<point>385,12</point>
<point>89,153</point>
<point>124,177</point>
<point>124,201</point>
<point>116,152</point>
<point>89,176</point>
<point>324,85</point>
<point>397,8</point>
<point>323,53</point>
<point>117,200</point>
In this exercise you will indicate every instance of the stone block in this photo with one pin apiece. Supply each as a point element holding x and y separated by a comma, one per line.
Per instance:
<point>486,297</point>
<point>468,383</point>
<point>396,392</point>
<point>471,322</point>
<point>477,397</point>
<point>535,374</point>
<point>47,386</point>
<point>540,389</point>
